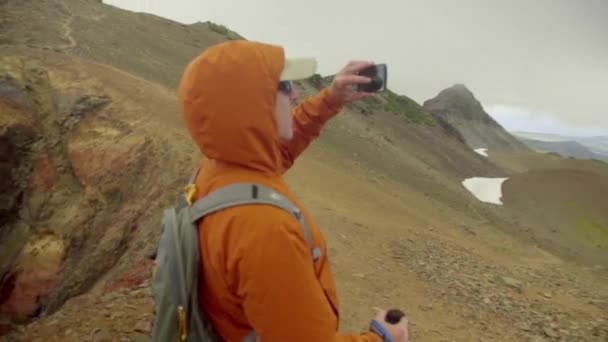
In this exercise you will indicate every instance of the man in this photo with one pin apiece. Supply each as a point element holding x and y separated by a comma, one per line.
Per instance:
<point>256,264</point>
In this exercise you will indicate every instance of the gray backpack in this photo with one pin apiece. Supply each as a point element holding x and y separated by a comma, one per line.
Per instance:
<point>178,316</point>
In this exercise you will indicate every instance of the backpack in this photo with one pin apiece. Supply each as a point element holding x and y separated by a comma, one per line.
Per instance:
<point>175,279</point>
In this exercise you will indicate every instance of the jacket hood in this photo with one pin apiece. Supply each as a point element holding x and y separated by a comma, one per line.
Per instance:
<point>227,96</point>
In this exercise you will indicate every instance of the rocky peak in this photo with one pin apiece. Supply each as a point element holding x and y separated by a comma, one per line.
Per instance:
<point>458,102</point>
<point>458,107</point>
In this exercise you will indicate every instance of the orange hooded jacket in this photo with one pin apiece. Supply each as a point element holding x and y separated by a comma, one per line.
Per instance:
<point>257,268</point>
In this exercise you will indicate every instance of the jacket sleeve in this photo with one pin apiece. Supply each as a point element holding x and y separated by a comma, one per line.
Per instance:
<point>308,119</point>
<point>282,297</point>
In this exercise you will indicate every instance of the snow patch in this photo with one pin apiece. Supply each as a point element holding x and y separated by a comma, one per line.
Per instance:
<point>488,190</point>
<point>482,151</point>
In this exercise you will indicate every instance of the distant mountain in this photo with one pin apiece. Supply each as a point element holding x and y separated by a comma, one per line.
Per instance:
<point>540,136</point>
<point>571,146</point>
<point>458,106</point>
<point>566,148</point>
<point>599,145</point>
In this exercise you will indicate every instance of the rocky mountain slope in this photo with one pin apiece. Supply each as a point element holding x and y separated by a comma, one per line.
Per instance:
<point>572,212</point>
<point>144,45</point>
<point>95,148</point>
<point>458,106</point>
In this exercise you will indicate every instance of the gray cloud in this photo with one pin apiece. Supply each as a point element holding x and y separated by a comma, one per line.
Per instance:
<point>548,56</point>
<point>519,119</point>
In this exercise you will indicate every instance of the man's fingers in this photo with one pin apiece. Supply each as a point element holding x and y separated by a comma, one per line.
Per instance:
<point>356,66</point>
<point>352,79</point>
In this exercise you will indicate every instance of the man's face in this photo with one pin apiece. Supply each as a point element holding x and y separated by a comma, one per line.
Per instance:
<point>286,99</point>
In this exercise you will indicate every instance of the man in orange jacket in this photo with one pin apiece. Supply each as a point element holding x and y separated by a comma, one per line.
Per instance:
<point>237,100</point>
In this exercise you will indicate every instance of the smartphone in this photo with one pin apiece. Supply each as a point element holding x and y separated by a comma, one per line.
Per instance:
<point>377,73</point>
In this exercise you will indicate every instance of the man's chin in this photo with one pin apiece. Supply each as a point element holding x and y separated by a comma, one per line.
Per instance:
<point>285,139</point>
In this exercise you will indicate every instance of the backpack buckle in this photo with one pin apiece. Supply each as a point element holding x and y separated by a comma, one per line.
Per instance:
<point>190,190</point>
<point>183,329</point>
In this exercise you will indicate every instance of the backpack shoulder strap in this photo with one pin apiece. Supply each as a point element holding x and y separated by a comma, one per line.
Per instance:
<point>250,193</point>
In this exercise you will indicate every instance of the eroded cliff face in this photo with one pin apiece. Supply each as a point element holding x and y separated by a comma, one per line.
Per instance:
<point>70,188</point>
<point>17,137</point>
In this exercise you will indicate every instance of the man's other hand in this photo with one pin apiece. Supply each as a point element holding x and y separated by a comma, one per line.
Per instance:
<point>399,331</point>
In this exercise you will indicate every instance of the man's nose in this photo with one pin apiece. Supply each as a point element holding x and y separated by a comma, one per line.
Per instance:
<point>294,96</point>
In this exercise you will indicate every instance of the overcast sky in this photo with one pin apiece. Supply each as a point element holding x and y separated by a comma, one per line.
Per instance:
<point>535,65</point>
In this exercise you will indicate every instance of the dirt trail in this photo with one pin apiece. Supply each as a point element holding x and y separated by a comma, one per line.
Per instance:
<point>67,28</point>
<point>68,35</point>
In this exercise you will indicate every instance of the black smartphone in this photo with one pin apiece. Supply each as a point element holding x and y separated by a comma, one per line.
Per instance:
<point>377,73</point>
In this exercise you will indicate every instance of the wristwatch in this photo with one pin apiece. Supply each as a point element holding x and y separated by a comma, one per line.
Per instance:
<point>377,328</point>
